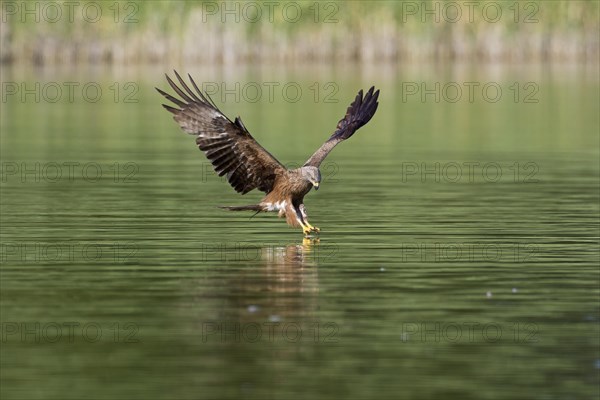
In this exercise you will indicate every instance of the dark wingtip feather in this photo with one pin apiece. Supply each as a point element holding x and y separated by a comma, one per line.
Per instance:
<point>171,98</point>
<point>160,91</point>
<point>202,94</point>
<point>360,111</point>
<point>186,94</point>
<point>171,109</point>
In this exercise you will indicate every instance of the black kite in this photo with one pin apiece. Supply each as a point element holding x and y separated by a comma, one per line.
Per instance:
<point>247,165</point>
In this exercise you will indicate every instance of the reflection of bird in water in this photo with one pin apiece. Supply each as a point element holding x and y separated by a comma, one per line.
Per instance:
<point>284,285</point>
<point>291,271</point>
<point>280,259</point>
<point>264,306</point>
<point>247,165</point>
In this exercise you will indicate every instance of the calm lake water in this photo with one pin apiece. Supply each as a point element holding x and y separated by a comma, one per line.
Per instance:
<point>458,257</point>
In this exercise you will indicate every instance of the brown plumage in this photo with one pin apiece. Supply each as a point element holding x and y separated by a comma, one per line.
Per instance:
<point>247,165</point>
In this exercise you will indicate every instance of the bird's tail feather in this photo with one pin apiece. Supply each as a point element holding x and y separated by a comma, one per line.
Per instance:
<point>253,207</point>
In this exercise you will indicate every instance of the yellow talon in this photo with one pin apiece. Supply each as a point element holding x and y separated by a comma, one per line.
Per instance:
<point>312,228</point>
<point>308,229</point>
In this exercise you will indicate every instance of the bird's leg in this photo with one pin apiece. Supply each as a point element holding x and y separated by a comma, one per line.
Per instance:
<point>305,218</point>
<point>306,227</point>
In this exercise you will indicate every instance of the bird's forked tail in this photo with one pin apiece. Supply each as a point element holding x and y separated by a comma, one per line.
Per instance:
<point>253,207</point>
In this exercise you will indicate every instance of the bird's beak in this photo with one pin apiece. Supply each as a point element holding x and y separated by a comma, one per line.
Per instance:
<point>316,185</point>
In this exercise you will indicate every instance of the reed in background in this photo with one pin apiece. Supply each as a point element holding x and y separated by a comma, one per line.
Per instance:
<point>230,32</point>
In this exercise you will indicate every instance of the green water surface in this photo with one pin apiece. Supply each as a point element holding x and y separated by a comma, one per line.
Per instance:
<point>458,257</point>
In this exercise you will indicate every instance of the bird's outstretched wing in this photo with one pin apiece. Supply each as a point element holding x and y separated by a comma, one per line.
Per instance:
<point>359,113</point>
<point>228,145</point>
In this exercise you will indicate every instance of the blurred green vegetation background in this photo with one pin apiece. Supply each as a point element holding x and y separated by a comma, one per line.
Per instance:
<point>229,32</point>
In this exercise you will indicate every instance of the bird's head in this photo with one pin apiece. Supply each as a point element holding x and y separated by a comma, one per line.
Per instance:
<point>312,175</point>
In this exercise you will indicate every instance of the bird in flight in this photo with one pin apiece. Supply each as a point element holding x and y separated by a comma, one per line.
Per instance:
<point>234,153</point>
